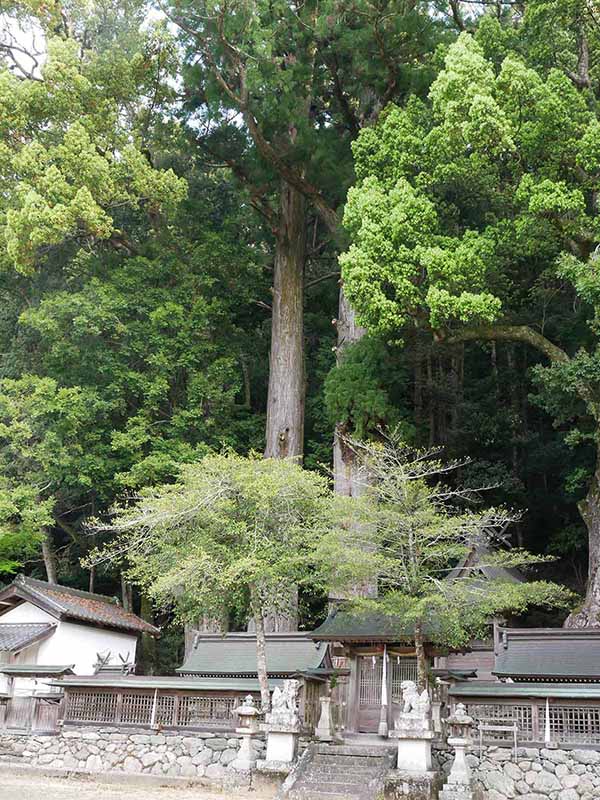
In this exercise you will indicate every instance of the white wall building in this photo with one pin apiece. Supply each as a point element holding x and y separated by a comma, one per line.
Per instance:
<point>47,630</point>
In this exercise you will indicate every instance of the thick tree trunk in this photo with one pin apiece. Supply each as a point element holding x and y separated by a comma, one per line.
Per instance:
<point>126,594</point>
<point>349,479</point>
<point>346,478</point>
<point>206,624</point>
<point>49,556</point>
<point>285,404</point>
<point>149,654</point>
<point>588,616</point>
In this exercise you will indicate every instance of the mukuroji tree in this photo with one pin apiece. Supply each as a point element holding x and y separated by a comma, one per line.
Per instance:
<point>230,528</point>
<point>419,527</point>
<point>464,202</point>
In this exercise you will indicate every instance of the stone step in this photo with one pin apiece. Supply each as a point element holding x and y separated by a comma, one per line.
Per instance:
<point>358,761</point>
<point>321,793</point>
<point>340,774</point>
<point>376,751</point>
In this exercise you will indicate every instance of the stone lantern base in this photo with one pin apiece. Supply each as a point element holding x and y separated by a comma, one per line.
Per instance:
<point>456,792</point>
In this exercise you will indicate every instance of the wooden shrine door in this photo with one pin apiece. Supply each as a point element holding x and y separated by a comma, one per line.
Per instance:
<point>370,675</point>
<point>370,671</point>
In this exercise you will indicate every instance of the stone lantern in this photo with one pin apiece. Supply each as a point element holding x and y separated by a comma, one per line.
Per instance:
<point>458,786</point>
<point>248,728</point>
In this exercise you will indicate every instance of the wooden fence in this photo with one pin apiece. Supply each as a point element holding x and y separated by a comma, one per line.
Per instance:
<point>560,722</point>
<point>150,708</point>
<point>30,714</point>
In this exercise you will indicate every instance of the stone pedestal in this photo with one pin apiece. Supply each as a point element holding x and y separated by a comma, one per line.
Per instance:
<point>414,748</point>
<point>282,726</point>
<point>324,730</point>
<point>282,745</point>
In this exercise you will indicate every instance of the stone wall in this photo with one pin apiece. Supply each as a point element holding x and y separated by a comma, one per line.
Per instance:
<point>206,756</point>
<point>535,774</point>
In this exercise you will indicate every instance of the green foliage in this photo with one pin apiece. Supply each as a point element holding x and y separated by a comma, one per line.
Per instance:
<point>452,195</point>
<point>53,447</point>
<point>69,148</point>
<point>356,389</point>
<point>230,525</point>
<point>409,534</point>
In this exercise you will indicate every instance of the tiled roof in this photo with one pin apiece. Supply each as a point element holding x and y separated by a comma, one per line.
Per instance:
<point>36,669</point>
<point>14,636</point>
<point>486,689</point>
<point>159,682</point>
<point>548,654</point>
<point>235,654</point>
<point>66,603</point>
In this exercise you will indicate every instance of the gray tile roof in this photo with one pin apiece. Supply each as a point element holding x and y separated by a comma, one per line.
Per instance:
<point>552,654</point>
<point>66,603</point>
<point>14,636</point>
<point>36,669</point>
<point>474,690</point>
<point>360,626</point>
<point>165,683</point>
<point>235,654</point>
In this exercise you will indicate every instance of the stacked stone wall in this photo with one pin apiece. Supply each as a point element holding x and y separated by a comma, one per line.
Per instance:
<point>207,756</point>
<point>534,774</point>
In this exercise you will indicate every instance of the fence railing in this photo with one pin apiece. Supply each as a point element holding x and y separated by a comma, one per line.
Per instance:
<point>564,723</point>
<point>151,708</point>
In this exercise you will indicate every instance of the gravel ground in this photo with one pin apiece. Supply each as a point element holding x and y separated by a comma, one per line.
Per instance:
<point>28,787</point>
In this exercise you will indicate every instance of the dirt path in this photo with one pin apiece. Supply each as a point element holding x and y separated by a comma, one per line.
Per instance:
<point>33,787</point>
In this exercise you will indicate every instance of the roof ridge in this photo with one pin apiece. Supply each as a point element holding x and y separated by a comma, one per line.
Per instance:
<point>36,583</point>
<point>25,624</point>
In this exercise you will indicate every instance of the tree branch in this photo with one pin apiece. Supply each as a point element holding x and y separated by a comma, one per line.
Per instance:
<point>510,333</point>
<point>320,279</point>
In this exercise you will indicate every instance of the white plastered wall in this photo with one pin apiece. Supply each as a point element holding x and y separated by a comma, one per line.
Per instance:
<point>71,643</point>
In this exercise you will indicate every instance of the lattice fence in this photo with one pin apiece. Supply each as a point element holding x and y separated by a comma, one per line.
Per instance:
<point>176,710</point>
<point>572,724</point>
<point>569,723</point>
<point>91,707</point>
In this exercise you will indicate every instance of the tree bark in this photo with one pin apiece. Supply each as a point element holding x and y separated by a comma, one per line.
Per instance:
<point>148,643</point>
<point>422,671</point>
<point>126,594</point>
<point>588,616</point>
<point>206,624</point>
<point>285,404</point>
<point>349,479</point>
<point>346,479</point>
<point>49,556</point>
<point>261,651</point>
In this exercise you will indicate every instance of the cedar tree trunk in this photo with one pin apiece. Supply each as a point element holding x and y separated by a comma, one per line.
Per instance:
<point>285,404</point>
<point>206,624</point>
<point>588,616</point>
<point>347,477</point>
